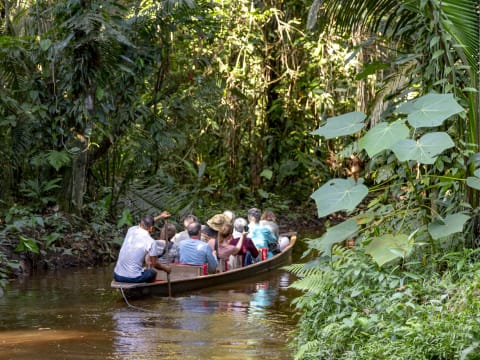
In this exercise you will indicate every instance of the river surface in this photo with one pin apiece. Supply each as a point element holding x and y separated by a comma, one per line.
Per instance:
<point>74,314</point>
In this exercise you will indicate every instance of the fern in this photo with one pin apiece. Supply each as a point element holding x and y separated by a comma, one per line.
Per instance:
<point>313,283</point>
<point>303,270</point>
<point>58,158</point>
<point>306,349</point>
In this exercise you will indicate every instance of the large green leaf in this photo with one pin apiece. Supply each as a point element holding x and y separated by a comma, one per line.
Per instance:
<point>382,136</point>
<point>450,225</point>
<point>27,244</point>
<point>334,235</point>
<point>430,110</point>
<point>346,124</point>
<point>388,247</point>
<point>338,194</point>
<point>473,182</point>
<point>423,150</point>
<point>405,149</point>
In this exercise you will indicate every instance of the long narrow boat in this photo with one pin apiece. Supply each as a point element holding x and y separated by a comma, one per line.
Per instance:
<point>185,278</point>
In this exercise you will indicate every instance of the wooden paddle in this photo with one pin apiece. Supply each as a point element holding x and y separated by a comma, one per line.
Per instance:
<point>169,286</point>
<point>167,241</point>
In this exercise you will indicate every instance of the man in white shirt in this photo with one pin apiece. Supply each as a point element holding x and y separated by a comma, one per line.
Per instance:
<point>137,244</point>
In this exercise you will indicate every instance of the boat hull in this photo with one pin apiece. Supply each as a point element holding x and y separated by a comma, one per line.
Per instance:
<point>180,286</point>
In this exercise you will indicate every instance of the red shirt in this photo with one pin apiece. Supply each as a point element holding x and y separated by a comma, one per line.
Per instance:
<point>247,245</point>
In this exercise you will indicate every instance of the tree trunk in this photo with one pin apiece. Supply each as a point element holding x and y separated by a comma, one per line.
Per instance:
<point>79,171</point>
<point>80,160</point>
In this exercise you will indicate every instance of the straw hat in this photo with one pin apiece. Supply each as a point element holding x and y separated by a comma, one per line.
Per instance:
<point>216,221</point>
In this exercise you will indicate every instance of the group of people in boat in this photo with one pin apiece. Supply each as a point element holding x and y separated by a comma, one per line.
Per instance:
<point>224,242</point>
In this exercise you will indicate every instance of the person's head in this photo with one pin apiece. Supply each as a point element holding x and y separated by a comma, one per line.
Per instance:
<point>226,229</point>
<point>268,216</point>
<point>239,224</point>
<point>217,221</point>
<point>230,215</point>
<point>168,232</point>
<point>188,220</point>
<point>209,233</point>
<point>147,222</point>
<point>254,215</point>
<point>193,229</point>
<point>225,232</point>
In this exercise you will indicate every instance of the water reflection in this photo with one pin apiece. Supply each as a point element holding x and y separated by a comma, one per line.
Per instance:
<point>77,316</point>
<point>222,324</point>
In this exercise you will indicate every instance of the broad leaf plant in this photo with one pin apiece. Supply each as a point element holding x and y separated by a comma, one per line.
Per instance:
<point>415,141</point>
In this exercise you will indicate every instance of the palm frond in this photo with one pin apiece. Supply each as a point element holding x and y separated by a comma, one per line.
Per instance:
<point>179,199</point>
<point>142,199</point>
<point>15,64</point>
<point>464,17</point>
<point>346,15</point>
<point>394,83</point>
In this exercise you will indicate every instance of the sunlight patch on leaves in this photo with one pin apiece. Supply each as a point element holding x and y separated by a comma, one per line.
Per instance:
<point>388,247</point>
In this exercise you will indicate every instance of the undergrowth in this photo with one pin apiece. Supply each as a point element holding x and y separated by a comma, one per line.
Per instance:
<point>353,309</point>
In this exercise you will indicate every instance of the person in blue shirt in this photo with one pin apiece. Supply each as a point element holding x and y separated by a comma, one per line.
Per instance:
<point>194,251</point>
<point>261,235</point>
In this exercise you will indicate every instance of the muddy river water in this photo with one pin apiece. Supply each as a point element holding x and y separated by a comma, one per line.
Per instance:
<point>74,314</point>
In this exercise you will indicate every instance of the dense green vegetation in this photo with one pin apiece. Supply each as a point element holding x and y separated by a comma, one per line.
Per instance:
<point>110,109</point>
<point>409,287</point>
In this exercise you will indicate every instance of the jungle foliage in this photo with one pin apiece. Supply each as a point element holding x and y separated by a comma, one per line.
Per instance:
<point>410,281</point>
<point>111,109</point>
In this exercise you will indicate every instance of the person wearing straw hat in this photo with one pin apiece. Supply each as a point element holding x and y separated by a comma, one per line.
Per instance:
<point>210,231</point>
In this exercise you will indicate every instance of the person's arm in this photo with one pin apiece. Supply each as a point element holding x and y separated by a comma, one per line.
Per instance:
<point>211,260</point>
<point>163,215</point>
<point>211,243</point>
<point>252,248</point>
<point>158,265</point>
<point>276,231</point>
<point>239,245</point>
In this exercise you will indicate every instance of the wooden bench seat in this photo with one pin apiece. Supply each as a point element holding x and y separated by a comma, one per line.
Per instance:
<point>181,271</point>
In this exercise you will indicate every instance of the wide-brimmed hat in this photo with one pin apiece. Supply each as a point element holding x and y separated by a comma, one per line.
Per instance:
<point>217,221</point>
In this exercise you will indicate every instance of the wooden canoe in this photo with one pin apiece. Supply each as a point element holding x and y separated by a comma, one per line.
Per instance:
<point>185,278</point>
